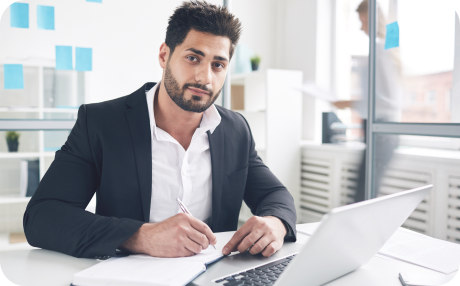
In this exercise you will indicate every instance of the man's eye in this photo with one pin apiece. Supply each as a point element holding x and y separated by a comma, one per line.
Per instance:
<point>218,65</point>
<point>191,58</point>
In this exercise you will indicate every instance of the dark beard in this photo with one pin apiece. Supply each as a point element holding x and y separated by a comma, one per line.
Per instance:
<point>195,104</point>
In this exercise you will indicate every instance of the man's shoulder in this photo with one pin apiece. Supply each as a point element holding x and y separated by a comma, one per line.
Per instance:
<point>231,117</point>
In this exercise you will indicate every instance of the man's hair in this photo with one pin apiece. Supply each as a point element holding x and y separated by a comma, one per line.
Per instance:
<point>202,17</point>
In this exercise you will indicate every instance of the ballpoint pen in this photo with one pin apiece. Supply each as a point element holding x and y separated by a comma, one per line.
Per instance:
<point>186,211</point>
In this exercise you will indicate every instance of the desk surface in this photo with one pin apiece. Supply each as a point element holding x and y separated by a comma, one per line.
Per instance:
<point>39,267</point>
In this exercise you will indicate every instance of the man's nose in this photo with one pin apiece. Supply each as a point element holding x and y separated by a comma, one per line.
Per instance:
<point>203,74</point>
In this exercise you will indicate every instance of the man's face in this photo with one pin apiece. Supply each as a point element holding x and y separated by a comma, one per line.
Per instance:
<point>196,71</point>
<point>364,22</point>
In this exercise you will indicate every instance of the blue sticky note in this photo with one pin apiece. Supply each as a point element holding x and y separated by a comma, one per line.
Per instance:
<point>392,36</point>
<point>83,59</point>
<point>64,58</point>
<point>45,17</point>
<point>13,76</point>
<point>95,1</point>
<point>19,15</point>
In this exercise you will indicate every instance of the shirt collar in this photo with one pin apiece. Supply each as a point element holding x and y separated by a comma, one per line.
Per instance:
<point>210,120</point>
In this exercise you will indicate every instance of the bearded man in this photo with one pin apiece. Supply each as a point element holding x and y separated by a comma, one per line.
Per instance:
<point>166,140</point>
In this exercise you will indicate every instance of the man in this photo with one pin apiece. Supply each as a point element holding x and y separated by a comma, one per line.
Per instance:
<point>164,141</point>
<point>387,97</point>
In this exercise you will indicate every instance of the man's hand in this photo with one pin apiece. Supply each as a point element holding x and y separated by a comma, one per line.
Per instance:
<point>258,234</point>
<point>178,236</point>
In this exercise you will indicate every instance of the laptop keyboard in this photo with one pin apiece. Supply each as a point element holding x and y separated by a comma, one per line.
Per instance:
<point>263,275</point>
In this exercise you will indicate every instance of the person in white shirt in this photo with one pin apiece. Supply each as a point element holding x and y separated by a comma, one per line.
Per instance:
<point>165,141</point>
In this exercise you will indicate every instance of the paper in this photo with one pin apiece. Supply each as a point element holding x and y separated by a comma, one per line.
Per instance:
<point>133,270</point>
<point>64,58</point>
<point>13,76</point>
<point>95,1</point>
<point>207,256</point>
<point>83,59</point>
<point>308,228</point>
<point>19,15</point>
<point>317,92</point>
<point>392,36</point>
<point>45,17</point>
<point>422,250</point>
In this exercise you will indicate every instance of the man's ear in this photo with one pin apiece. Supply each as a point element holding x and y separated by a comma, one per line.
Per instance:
<point>164,55</point>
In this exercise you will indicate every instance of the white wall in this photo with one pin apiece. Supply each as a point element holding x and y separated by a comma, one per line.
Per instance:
<point>125,37</point>
<point>296,35</point>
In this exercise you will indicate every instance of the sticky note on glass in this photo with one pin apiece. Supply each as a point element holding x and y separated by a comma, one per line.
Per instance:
<point>13,76</point>
<point>83,59</point>
<point>95,1</point>
<point>392,36</point>
<point>64,58</point>
<point>45,17</point>
<point>19,15</point>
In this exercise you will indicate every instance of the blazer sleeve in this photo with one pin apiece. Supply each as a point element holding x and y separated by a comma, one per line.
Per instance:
<point>55,217</point>
<point>265,195</point>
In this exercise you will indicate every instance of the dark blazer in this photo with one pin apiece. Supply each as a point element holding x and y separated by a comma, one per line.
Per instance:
<point>109,152</point>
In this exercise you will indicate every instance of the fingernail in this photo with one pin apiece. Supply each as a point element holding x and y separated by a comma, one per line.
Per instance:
<point>225,251</point>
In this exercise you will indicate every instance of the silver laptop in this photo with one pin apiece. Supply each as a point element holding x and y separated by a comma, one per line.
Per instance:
<point>348,237</point>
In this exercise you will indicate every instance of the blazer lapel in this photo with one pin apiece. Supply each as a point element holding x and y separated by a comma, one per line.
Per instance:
<point>216,146</point>
<point>139,124</point>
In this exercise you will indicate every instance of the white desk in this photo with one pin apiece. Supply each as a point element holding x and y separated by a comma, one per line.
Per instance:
<point>39,267</point>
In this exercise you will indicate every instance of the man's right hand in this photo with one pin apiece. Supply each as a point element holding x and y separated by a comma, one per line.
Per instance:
<point>178,236</point>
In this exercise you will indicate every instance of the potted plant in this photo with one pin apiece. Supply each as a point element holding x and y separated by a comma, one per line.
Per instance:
<point>12,139</point>
<point>255,60</point>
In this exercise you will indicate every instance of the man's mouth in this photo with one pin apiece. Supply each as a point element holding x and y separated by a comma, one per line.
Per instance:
<point>198,91</point>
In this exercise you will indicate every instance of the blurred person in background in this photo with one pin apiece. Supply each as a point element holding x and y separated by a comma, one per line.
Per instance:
<point>387,99</point>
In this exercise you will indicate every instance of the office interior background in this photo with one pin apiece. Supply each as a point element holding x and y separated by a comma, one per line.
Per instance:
<point>402,59</point>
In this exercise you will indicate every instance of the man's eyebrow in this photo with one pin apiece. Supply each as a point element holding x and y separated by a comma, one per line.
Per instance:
<point>219,58</point>
<point>198,52</point>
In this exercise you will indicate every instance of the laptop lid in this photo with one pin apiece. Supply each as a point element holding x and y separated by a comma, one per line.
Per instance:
<point>349,236</point>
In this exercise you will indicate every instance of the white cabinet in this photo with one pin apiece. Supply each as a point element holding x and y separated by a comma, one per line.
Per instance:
<point>272,107</point>
<point>48,94</point>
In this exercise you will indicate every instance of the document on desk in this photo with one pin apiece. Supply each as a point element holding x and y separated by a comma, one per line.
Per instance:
<point>416,248</point>
<point>147,270</point>
<point>413,247</point>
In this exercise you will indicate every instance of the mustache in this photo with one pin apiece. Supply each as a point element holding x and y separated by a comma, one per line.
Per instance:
<point>198,85</point>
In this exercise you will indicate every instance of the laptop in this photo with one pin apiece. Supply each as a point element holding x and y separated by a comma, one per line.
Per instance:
<point>347,238</point>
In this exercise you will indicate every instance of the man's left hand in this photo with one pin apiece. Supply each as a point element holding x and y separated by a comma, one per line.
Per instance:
<point>260,235</point>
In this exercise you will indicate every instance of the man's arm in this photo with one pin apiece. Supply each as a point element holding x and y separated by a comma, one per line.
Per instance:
<point>273,206</point>
<point>55,217</point>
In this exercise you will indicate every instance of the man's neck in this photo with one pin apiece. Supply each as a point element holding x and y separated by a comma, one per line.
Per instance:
<point>180,124</point>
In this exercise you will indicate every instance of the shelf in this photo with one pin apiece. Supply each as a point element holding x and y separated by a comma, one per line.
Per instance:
<point>238,79</point>
<point>35,109</point>
<point>13,199</point>
<point>12,155</point>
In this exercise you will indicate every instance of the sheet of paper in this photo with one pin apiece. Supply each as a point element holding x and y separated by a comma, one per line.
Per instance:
<point>392,36</point>
<point>13,76</point>
<point>308,228</point>
<point>45,17</point>
<point>83,59</point>
<point>422,250</point>
<point>313,90</point>
<point>134,270</point>
<point>19,15</point>
<point>206,256</point>
<point>64,58</point>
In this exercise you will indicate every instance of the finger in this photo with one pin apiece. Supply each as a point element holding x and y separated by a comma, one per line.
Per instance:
<point>198,237</point>
<point>204,229</point>
<point>192,246</point>
<point>260,245</point>
<point>250,240</point>
<point>271,248</point>
<point>238,237</point>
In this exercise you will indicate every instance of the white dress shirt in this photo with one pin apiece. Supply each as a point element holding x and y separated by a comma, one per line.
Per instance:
<point>180,173</point>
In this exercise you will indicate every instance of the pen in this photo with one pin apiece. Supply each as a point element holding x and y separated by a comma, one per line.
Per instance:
<point>186,211</point>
